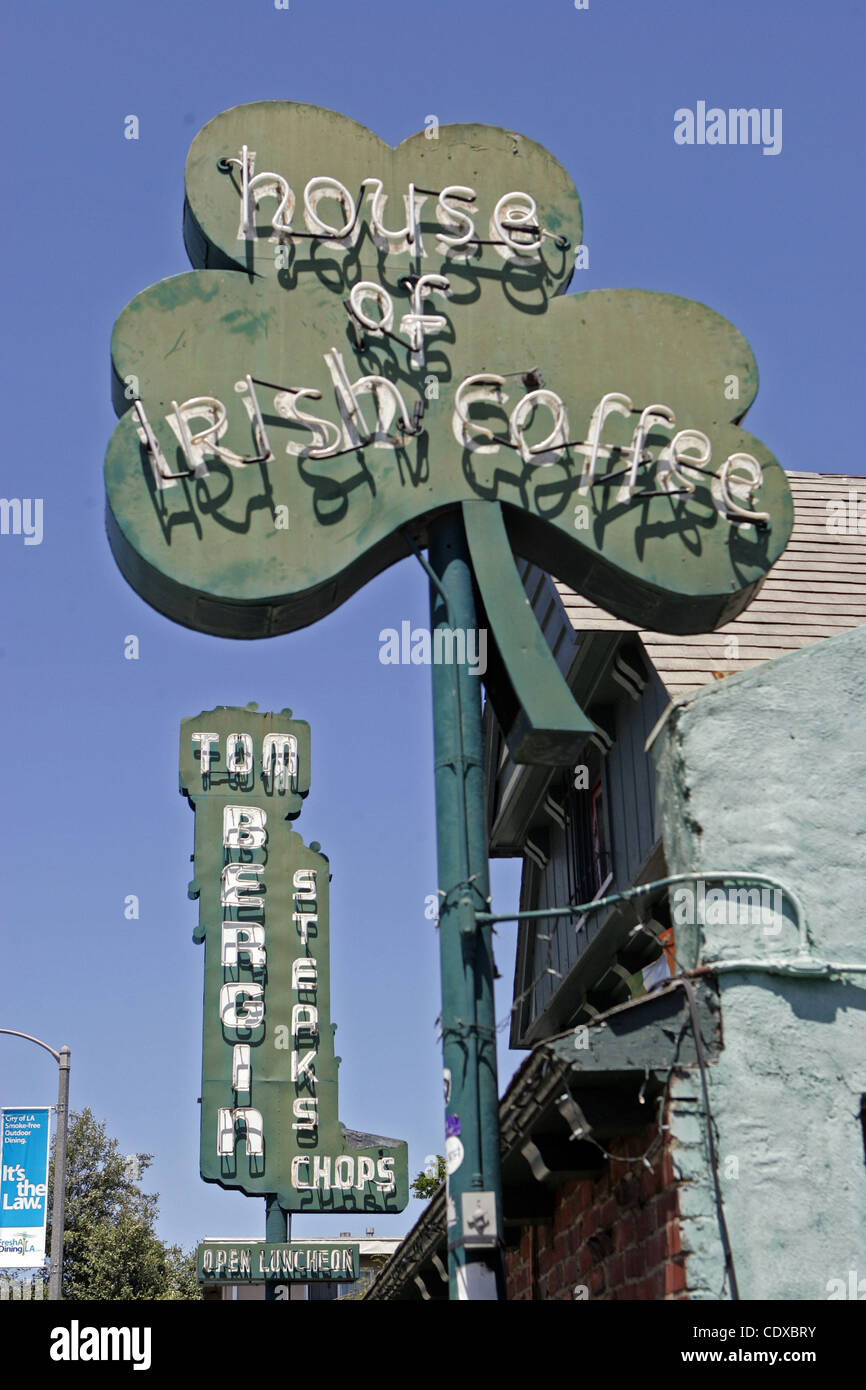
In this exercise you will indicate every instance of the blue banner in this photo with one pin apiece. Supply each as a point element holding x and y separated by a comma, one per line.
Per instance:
<point>25,1139</point>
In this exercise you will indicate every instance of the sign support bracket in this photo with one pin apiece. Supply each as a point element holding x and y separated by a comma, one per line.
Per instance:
<point>539,716</point>
<point>278,1228</point>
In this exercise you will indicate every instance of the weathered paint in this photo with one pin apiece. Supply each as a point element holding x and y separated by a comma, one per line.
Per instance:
<point>765,771</point>
<point>311,1166</point>
<point>301,141</point>
<point>468,1017</point>
<point>195,550</point>
<point>209,551</point>
<point>541,719</point>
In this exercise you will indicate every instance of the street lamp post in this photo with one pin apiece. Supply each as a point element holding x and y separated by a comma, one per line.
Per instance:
<point>63,1058</point>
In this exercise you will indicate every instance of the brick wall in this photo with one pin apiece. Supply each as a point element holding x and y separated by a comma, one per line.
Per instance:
<point>618,1236</point>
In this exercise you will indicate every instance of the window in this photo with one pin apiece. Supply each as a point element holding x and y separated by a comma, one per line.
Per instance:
<point>587,855</point>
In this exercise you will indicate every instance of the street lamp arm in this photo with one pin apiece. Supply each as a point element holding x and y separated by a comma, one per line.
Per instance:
<point>39,1043</point>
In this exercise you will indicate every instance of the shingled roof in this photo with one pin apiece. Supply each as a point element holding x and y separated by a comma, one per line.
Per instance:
<point>817,589</point>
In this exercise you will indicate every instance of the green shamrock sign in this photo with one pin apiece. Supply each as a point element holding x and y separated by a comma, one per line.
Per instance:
<point>376,337</point>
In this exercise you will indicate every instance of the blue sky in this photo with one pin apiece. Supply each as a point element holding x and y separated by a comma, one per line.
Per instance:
<point>91,811</point>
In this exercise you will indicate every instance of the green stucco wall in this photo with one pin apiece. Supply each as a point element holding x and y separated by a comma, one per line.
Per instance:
<point>766,771</point>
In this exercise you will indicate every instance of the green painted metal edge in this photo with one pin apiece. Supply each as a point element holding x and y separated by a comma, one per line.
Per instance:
<point>542,721</point>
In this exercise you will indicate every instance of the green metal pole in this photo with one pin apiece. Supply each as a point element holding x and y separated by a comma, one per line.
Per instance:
<point>277,1224</point>
<point>475,1260</point>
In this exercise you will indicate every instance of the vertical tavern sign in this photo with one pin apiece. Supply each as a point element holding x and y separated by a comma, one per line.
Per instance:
<point>269,1099</point>
<point>25,1139</point>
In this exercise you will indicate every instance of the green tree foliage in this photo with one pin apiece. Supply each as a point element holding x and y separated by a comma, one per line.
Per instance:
<point>425,1183</point>
<point>111,1249</point>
